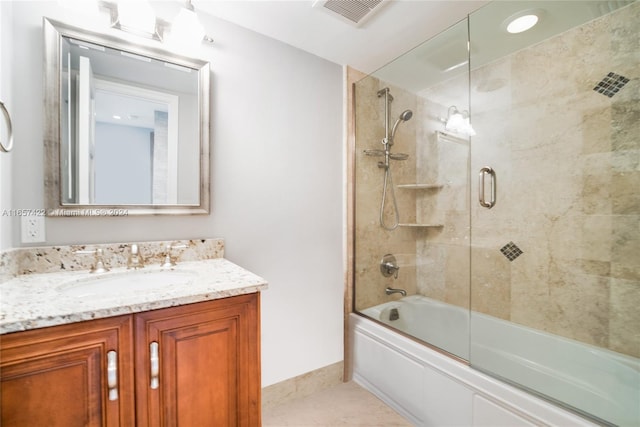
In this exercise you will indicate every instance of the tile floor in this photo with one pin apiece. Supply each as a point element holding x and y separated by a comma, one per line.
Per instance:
<point>346,404</point>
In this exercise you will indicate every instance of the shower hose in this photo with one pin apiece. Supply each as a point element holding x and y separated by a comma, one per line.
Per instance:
<point>388,182</point>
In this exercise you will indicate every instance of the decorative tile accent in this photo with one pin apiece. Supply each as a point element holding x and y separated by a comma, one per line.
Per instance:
<point>511,251</point>
<point>611,84</point>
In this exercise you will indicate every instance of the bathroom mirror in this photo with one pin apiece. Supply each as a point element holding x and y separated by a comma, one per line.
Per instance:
<point>126,125</point>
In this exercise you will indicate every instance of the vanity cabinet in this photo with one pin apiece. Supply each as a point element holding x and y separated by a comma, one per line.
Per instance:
<point>57,377</point>
<point>191,365</point>
<point>199,364</point>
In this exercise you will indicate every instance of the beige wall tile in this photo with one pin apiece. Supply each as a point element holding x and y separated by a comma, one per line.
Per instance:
<point>624,334</point>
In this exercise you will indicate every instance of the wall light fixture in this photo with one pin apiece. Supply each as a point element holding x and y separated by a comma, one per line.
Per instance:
<point>184,32</point>
<point>458,121</point>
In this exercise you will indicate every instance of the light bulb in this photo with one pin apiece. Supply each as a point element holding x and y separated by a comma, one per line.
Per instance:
<point>186,31</point>
<point>458,122</point>
<point>137,15</point>
<point>85,7</point>
<point>455,122</point>
<point>468,129</point>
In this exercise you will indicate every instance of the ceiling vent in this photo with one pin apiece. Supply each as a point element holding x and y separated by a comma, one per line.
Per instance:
<point>354,12</point>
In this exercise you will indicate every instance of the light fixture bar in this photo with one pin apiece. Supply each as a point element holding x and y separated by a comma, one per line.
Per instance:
<point>162,27</point>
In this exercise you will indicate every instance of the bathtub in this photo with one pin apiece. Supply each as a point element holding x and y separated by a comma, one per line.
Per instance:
<point>443,325</point>
<point>590,380</point>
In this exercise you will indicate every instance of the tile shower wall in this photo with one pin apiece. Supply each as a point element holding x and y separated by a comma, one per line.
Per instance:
<point>372,242</point>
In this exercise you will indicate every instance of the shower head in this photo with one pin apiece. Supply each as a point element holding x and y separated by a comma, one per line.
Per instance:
<point>405,116</point>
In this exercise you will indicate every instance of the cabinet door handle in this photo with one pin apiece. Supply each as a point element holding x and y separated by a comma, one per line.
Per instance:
<point>154,360</point>
<point>487,171</point>
<point>112,374</point>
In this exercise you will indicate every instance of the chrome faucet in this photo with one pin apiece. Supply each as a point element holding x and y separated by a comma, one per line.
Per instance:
<point>100,266</point>
<point>135,259</point>
<point>390,291</point>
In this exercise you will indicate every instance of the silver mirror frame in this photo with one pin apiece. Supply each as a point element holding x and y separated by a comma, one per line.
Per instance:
<point>53,33</point>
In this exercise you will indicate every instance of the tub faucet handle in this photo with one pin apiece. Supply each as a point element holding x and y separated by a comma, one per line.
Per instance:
<point>389,266</point>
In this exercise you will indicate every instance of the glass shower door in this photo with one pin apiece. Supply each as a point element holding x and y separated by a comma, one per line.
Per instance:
<point>555,264</point>
<point>411,217</point>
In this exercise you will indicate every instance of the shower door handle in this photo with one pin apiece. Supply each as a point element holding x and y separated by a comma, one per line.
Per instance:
<point>487,171</point>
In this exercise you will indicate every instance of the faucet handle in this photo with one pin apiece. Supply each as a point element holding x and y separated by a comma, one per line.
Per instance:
<point>168,261</point>
<point>100,266</point>
<point>389,266</point>
<point>135,259</point>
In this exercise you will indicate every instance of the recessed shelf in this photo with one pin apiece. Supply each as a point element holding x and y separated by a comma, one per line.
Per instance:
<point>420,186</point>
<point>422,225</point>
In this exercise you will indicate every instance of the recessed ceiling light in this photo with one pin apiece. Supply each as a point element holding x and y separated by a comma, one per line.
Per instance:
<point>522,23</point>
<point>117,117</point>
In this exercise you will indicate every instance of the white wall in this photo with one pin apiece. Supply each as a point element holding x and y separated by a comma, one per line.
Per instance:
<point>6,236</point>
<point>277,193</point>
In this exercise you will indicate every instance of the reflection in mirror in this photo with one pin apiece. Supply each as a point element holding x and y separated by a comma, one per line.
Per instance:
<point>127,124</point>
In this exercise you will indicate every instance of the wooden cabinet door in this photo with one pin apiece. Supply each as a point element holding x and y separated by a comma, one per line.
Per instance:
<point>57,376</point>
<point>209,364</point>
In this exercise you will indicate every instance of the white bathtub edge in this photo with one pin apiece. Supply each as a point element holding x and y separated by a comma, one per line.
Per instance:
<point>362,382</point>
<point>517,402</point>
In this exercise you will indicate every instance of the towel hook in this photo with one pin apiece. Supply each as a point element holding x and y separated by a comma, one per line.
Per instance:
<point>7,118</point>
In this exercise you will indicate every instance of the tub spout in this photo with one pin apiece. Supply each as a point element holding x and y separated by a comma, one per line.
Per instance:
<point>390,291</point>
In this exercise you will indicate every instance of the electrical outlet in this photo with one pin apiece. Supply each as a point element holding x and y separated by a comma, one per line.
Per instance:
<point>32,229</point>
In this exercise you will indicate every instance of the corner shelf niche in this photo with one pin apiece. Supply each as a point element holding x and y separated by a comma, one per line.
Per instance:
<point>420,186</point>
<point>421,225</point>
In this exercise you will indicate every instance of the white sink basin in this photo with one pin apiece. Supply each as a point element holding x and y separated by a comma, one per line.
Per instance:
<point>120,284</point>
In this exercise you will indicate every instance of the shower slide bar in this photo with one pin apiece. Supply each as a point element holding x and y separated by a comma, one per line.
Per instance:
<point>387,142</point>
<point>7,118</point>
<point>481,187</point>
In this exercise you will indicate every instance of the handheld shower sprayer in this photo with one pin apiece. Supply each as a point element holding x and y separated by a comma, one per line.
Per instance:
<point>404,117</point>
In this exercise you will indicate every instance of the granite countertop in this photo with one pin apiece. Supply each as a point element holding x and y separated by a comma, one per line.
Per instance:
<point>38,300</point>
